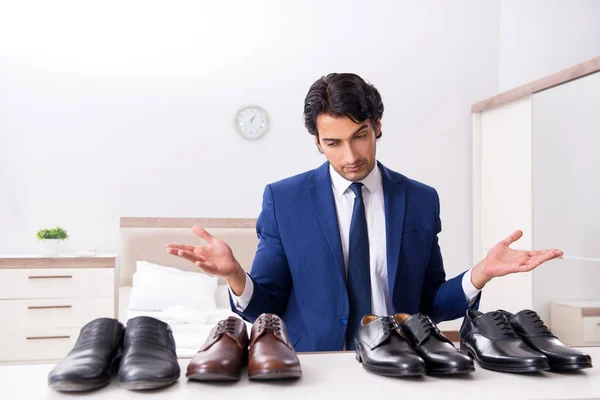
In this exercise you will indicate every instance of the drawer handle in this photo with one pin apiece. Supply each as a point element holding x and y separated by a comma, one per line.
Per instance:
<point>46,307</point>
<point>47,337</point>
<point>51,277</point>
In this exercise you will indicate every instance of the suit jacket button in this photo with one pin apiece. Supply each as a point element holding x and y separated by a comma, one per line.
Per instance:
<point>344,321</point>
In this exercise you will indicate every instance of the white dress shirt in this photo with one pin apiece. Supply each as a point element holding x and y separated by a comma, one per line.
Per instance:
<point>381,303</point>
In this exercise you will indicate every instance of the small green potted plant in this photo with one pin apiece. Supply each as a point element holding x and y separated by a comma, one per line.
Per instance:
<point>50,240</point>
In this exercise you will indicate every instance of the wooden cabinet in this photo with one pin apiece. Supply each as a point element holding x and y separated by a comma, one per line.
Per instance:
<point>44,302</point>
<point>577,323</point>
<point>535,168</point>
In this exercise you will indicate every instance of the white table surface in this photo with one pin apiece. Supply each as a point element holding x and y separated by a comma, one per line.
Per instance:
<point>331,376</point>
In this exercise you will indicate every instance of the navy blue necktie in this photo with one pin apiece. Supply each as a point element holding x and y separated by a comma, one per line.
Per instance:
<point>359,277</point>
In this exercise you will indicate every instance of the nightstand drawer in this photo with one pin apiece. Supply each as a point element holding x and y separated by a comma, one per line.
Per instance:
<point>53,313</point>
<point>591,330</point>
<point>56,283</point>
<point>37,344</point>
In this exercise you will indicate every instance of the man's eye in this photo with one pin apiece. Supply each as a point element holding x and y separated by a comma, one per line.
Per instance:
<point>332,144</point>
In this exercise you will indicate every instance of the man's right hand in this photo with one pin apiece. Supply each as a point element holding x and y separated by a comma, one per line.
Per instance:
<point>214,258</point>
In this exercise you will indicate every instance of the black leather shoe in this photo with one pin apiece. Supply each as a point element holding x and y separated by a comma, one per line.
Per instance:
<point>491,341</point>
<point>382,349</point>
<point>530,327</point>
<point>149,358</point>
<point>90,364</point>
<point>438,352</point>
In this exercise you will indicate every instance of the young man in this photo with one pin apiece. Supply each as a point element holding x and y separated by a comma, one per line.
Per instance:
<point>350,237</point>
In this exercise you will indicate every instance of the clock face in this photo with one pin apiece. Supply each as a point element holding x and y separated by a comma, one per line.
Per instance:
<point>252,122</point>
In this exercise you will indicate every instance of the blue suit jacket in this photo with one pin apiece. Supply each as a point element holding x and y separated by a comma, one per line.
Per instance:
<point>298,270</point>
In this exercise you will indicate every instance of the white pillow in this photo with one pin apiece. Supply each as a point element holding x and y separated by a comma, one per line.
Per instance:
<point>156,288</point>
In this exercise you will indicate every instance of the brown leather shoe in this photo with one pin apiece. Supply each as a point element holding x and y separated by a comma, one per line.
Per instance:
<point>271,354</point>
<point>223,354</point>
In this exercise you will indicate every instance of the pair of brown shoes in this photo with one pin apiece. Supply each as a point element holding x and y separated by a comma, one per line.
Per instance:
<point>269,352</point>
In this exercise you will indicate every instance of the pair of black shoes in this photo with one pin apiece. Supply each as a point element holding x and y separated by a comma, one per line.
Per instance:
<point>407,345</point>
<point>501,341</point>
<point>144,354</point>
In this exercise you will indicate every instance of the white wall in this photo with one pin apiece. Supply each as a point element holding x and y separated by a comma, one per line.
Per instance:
<point>566,151</point>
<point>126,108</point>
<point>540,37</point>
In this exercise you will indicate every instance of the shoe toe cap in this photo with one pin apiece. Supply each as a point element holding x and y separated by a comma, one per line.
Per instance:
<point>406,361</point>
<point>148,368</point>
<point>81,370</point>
<point>450,360</point>
<point>574,358</point>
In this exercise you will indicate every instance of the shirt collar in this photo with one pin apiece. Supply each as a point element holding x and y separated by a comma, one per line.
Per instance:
<point>340,184</point>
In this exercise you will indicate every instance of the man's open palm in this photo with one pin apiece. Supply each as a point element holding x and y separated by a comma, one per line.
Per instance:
<point>502,260</point>
<point>215,257</point>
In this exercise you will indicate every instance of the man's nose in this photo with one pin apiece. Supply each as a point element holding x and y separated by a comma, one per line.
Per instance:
<point>350,155</point>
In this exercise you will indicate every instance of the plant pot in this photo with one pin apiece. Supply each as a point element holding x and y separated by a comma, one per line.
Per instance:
<point>49,247</point>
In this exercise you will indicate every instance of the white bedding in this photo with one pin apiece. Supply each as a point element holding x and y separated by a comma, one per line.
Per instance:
<point>190,327</point>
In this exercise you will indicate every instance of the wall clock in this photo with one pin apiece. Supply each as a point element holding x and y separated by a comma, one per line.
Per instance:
<point>252,122</point>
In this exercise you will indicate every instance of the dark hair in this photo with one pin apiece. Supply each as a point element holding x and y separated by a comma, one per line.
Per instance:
<point>339,95</point>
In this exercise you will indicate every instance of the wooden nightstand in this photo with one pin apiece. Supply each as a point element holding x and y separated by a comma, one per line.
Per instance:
<point>576,322</point>
<point>44,302</point>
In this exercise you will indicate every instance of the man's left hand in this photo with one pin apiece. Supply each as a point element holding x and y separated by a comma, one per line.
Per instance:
<point>502,260</point>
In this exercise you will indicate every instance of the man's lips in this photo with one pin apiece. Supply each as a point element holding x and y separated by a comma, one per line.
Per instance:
<point>353,168</point>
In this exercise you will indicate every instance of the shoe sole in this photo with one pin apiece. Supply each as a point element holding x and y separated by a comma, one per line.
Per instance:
<point>212,376</point>
<point>146,385</point>
<point>450,371</point>
<point>275,374</point>
<point>72,386</point>
<point>569,367</point>
<point>398,372</point>
<point>502,368</point>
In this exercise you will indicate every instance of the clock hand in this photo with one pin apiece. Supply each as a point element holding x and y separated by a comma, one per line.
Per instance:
<point>252,120</point>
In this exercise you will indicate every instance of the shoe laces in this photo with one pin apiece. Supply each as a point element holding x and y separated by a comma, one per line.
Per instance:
<point>538,323</point>
<point>389,324</point>
<point>223,326</point>
<point>504,324</point>
<point>269,324</point>
<point>427,323</point>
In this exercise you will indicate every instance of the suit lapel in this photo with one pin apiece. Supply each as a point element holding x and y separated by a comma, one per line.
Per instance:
<point>321,194</point>
<point>395,205</point>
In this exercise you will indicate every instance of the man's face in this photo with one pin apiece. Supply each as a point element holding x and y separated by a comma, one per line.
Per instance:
<point>348,146</point>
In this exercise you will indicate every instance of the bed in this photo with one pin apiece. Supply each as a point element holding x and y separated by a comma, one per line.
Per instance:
<point>143,240</point>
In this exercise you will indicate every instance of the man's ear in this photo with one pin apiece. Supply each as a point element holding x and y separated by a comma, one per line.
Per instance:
<point>318,144</point>
<point>378,125</point>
